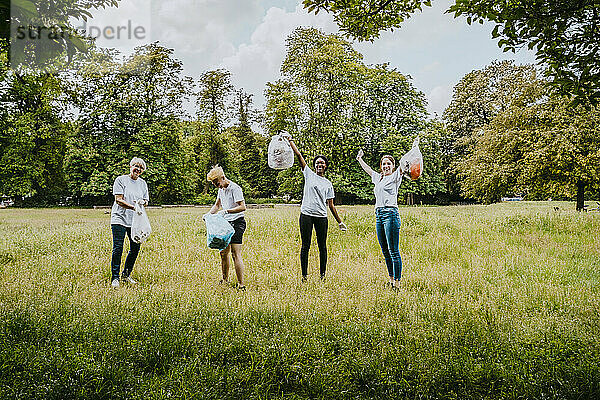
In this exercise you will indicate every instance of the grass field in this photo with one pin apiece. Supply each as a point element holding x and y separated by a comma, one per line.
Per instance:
<point>496,302</point>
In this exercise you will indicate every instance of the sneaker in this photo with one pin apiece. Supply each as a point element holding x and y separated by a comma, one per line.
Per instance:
<point>130,280</point>
<point>115,283</point>
<point>241,287</point>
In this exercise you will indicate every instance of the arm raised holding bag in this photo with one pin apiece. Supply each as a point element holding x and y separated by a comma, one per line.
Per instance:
<point>317,197</point>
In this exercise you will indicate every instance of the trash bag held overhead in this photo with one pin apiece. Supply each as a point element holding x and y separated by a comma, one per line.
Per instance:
<point>281,155</point>
<point>412,162</point>
<point>218,231</point>
<point>140,226</point>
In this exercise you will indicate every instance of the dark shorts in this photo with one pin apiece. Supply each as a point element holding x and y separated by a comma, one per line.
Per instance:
<point>239,226</point>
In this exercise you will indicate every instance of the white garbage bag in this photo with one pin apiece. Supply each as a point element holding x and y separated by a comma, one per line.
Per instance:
<point>140,226</point>
<point>412,162</point>
<point>281,155</point>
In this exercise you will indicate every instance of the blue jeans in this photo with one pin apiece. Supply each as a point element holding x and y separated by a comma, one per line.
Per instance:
<point>387,225</point>
<point>118,234</point>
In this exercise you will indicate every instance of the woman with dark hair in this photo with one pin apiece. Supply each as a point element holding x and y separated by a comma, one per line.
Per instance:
<point>318,195</point>
<point>387,218</point>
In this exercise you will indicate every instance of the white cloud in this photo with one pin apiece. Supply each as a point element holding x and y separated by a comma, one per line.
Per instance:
<point>121,28</point>
<point>438,99</point>
<point>248,38</point>
<point>259,61</point>
<point>203,32</point>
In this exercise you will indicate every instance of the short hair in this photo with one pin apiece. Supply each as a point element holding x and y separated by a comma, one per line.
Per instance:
<point>324,159</point>
<point>137,161</point>
<point>215,173</point>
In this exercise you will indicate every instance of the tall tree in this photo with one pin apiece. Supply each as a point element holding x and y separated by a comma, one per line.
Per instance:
<point>478,98</point>
<point>333,104</point>
<point>564,34</point>
<point>32,134</point>
<point>250,151</point>
<point>125,110</point>
<point>543,148</point>
<point>563,151</point>
<point>212,109</point>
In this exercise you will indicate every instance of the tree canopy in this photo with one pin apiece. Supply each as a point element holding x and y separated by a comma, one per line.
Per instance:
<point>334,105</point>
<point>532,143</point>
<point>563,34</point>
<point>55,17</point>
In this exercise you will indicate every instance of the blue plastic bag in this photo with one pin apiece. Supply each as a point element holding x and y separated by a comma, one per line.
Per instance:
<point>218,231</point>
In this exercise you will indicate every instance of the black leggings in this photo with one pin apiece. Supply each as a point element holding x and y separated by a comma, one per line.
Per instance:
<point>306,227</point>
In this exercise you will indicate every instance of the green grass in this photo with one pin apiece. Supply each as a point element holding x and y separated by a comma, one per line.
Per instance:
<point>497,302</point>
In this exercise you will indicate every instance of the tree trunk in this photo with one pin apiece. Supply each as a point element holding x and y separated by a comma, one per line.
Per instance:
<point>580,191</point>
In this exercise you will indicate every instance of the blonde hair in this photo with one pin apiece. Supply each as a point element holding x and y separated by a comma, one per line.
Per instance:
<point>215,173</point>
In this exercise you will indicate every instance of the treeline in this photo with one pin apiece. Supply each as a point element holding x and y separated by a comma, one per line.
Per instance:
<point>65,136</point>
<point>510,133</point>
<point>68,135</point>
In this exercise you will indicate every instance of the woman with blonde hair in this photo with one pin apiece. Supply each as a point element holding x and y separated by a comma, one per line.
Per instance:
<point>230,198</point>
<point>387,217</point>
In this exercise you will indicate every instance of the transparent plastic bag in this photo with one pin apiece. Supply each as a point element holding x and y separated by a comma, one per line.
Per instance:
<point>140,226</point>
<point>218,231</point>
<point>281,155</point>
<point>412,162</point>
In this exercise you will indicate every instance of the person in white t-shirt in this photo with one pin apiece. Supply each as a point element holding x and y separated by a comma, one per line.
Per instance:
<point>231,199</point>
<point>128,190</point>
<point>387,218</point>
<point>318,195</point>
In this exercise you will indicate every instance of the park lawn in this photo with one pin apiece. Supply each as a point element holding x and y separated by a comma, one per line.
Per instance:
<point>498,301</point>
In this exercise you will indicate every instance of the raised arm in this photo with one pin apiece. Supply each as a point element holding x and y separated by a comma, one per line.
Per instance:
<point>296,151</point>
<point>363,164</point>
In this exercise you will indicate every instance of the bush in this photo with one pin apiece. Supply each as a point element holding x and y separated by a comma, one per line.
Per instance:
<point>204,199</point>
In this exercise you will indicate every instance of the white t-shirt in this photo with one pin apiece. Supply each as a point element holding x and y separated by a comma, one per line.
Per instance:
<point>386,188</point>
<point>317,190</point>
<point>229,199</point>
<point>132,190</point>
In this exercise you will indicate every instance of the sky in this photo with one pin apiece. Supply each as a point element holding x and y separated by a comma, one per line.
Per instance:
<point>247,37</point>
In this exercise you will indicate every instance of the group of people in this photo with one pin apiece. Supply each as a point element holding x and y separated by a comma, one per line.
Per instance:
<point>317,197</point>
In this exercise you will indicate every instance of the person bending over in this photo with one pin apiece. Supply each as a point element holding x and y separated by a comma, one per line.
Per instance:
<point>231,199</point>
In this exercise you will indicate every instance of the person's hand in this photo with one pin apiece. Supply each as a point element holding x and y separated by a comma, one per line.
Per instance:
<point>221,212</point>
<point>405,167</point>
<point>343,227</point>
<point>360,154</point>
